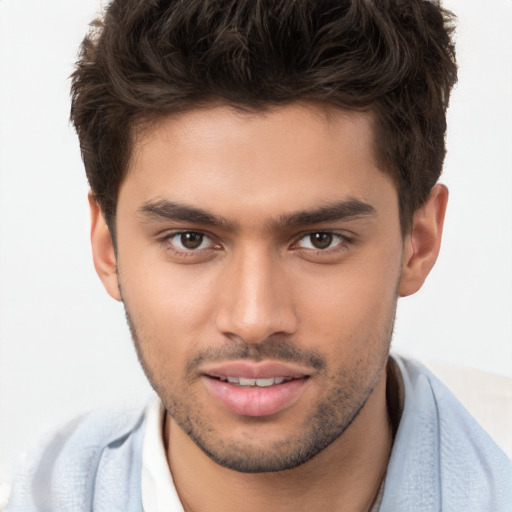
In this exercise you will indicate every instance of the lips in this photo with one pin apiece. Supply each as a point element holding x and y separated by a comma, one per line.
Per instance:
<point>255,389</point>
<point>256,370</point>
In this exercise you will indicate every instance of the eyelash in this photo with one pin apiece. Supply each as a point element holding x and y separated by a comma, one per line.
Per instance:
<point>166,242</point>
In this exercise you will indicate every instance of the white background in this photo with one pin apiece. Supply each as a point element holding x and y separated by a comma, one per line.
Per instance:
<point>64,345</point>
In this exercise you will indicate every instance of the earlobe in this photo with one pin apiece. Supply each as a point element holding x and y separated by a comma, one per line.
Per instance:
<point>422,245</point>
<point>103,250</point>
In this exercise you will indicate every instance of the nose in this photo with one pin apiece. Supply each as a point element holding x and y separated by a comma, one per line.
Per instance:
<point>256,300</point>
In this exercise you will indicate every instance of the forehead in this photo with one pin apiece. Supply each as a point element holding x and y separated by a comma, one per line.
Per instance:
<point>271,161</point>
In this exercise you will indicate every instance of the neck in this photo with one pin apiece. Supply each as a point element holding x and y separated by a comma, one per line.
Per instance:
<point>347,475</point>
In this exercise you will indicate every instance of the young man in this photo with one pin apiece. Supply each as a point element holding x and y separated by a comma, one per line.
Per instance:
<point>263,189</point>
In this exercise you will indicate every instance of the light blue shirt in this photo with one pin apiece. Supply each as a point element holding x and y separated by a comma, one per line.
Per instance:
<point>442,460</point>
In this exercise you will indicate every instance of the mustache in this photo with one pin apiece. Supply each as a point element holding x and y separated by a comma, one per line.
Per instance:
<point>275,349</point>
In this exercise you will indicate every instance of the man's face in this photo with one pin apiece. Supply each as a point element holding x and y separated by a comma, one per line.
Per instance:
<point>258,258</point>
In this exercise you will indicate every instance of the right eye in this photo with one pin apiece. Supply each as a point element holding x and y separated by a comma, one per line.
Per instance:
<point>189,241</point>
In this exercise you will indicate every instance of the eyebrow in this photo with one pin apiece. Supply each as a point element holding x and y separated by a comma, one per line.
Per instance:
<point>342,210</point>
<point>163,209</point>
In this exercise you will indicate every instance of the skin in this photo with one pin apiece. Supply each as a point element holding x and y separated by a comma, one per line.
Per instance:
<point>317,291</point>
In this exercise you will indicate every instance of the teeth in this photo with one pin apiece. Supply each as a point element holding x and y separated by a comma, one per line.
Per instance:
<point>265,382</point>
<point>242,381</point>
<point>246,382</point>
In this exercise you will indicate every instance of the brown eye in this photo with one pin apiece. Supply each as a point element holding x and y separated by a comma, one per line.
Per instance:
<point>194,245</point>
<point>191,240</point>
<point>321,240</point>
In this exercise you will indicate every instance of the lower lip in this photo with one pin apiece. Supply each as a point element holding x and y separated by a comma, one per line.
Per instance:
<point>254,400</point>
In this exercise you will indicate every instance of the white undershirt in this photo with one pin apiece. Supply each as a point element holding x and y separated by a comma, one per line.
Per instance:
<point>158,491</point>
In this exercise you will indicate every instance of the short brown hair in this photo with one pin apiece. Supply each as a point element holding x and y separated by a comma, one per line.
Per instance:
<point>146,59</point>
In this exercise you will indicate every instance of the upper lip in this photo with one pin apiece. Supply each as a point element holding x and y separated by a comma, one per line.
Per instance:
<point>255,370</point>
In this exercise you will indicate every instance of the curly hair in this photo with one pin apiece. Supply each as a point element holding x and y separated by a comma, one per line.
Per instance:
<point>147,59</point>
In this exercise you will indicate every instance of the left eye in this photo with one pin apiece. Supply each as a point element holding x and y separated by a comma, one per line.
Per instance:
<point>320,240</point>
<point>190,241</point>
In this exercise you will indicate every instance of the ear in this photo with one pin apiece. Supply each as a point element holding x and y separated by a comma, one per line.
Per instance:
<point>103,250</point>
<point>421,246</point>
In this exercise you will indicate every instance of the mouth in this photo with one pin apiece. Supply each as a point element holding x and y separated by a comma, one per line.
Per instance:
<point>255,389</point>
<point>261,383</point>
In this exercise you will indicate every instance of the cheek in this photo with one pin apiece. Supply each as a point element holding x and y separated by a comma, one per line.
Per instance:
<point>169,307</point>
<point>165,293</point>
<point>352,305</point>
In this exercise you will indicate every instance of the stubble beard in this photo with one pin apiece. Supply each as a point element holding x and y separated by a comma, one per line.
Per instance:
<point>346,392</point>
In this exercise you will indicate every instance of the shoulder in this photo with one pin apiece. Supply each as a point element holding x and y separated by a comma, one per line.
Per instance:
<point>69,471</point>
<point>441,457</point>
